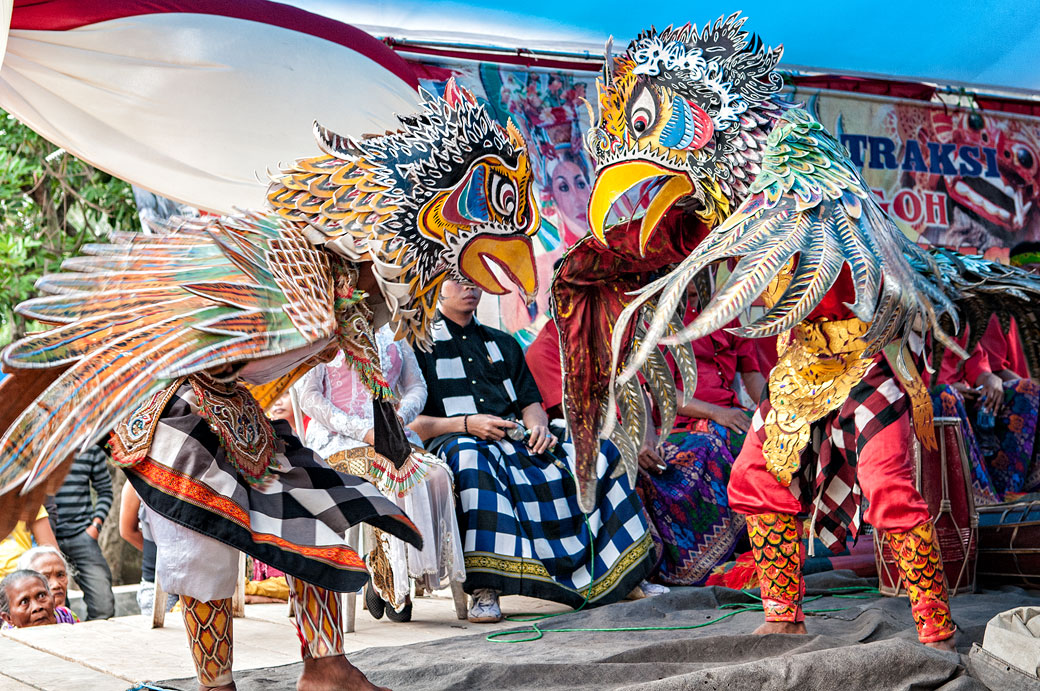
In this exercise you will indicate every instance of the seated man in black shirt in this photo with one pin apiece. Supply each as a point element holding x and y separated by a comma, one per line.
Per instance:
<point>523,532</point>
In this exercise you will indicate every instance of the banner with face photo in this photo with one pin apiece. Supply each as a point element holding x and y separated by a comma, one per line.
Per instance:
<point>964,179</point>
<point>547,106</point>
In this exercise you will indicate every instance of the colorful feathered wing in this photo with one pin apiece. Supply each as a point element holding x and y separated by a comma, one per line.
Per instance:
<point>809,208</point>
<point>981,289</point>
<point>257,296</point>
<point>137,313</point>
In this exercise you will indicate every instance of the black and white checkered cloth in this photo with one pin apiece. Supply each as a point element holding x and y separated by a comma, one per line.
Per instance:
<point>455,388</point>
<point>295,522</point>
<point>476,369</point>
<point>523,532</point>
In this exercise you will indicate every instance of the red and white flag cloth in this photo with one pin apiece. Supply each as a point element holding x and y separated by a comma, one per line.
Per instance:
<point>194,99</point>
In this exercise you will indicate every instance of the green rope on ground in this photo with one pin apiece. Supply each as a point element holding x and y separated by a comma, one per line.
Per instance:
<point>145,686</point>
<point>534,632</point>
<point>529,617</point>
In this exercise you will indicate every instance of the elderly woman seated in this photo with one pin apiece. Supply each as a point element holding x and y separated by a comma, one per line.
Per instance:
<point>26,600</point>
<point>50,563</point>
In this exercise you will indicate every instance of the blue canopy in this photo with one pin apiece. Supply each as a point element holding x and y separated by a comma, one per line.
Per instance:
<point>992,46</point>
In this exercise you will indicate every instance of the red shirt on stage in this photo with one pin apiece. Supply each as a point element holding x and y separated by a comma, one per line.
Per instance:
<point>543,359</point>
<point>720,356</point>
<point>953,369</point>
<point>1004,351</point>
<point>1016,357</point>
<point>767,355</point>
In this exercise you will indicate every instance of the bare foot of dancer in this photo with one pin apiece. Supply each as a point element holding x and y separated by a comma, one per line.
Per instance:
<point>333,674</point>
<point>947,645</point>
<point>223,687</point>
<point>780,627</point>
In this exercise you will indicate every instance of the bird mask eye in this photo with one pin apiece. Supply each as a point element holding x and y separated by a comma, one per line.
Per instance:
<point>488,194</point>
<point>643,112</point>
<point>502,195</point>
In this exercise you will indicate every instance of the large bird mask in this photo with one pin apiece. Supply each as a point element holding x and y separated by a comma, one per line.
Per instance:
<point>699,161</point>
<point>264,295</point>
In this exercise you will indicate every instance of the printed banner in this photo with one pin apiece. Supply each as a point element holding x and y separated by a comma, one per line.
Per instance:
<point>967,180</point>
<point>963,179</point>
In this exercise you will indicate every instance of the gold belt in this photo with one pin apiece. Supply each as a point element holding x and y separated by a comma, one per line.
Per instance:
<point>812,378</point>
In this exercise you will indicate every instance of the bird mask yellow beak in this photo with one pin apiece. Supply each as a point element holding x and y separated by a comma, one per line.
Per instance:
<point>512,254</point>
<point>632,189</point>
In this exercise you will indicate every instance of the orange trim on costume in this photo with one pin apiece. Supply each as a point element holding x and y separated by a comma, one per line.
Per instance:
<point>921,569</point>
<point>170,481</point>
<point>401,518</point>
<point>779,554</point>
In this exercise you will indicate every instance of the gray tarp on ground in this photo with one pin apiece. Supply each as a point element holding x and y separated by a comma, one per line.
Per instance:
<point>871,645</point>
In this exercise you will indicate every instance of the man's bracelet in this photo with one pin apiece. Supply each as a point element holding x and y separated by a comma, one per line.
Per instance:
<point>465,424</point>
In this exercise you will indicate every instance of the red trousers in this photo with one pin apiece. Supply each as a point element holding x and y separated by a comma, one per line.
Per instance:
<point>883,469</point>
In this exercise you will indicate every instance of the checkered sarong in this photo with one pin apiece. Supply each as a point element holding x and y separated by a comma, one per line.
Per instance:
<point>829,485</point>
<point>295,521</point>
<point>523,532</point>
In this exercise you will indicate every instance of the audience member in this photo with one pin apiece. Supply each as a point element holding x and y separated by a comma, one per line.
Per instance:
<point>77,522</point>
<point>996,402</point>
<point>134,528</point>
<point>1010,448</point>
<point>971,391</point>
<point>1004,348</point>
<point>21,540</point>
<point>48,561</point>
<point>282,409</point>
<point>339,404</point>
<point>26,600</point>
<point>523,530</point>
<point>683,479</point>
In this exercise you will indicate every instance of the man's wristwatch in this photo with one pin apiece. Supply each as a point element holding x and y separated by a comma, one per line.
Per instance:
<point>97,523</point>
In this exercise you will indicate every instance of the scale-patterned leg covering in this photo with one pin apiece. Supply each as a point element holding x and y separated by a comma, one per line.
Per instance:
<point>209,637</point>
<point>921,568</point>
<point>776,543</point>
<point>318,620</point>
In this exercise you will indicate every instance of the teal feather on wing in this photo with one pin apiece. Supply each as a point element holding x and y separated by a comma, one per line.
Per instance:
<point>145,309</point>
<point>807,202</point>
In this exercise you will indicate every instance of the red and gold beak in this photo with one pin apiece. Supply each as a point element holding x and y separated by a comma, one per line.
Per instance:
<point>632,187</point>
<point>512,254</point>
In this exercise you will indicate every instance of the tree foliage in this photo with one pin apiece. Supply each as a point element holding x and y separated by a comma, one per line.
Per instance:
<point>51,204</point>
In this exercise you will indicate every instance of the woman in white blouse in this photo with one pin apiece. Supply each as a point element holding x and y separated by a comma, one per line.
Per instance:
<point>339,406</point>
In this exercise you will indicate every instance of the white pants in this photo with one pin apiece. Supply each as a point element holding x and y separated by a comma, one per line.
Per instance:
<point>190,563</point>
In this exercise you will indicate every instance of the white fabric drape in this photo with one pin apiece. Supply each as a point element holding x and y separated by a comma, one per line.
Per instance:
<point>194,107</point>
